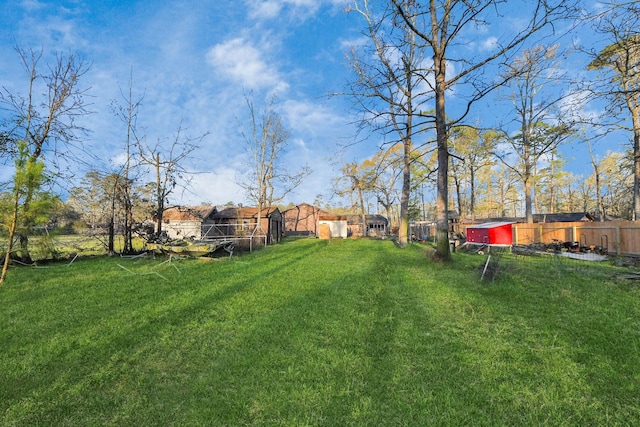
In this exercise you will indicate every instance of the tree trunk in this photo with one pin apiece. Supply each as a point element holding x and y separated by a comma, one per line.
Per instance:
<point>159,217</point>
<point>111,238</point>
<point>528,211</point>
<point>403,229</point>
<point>128,221</point>
<point>458,185</point>
<point>472,200</point>
<point>442,196</point>
<point>636,163</point>
<point>160,194</point>
<point>552,188</point>
<point>25,256</point>
<point>12,232</point>
<point>526,154</point>
<point>110,242</point>
<point>363,213</point>
<point>596,172</point>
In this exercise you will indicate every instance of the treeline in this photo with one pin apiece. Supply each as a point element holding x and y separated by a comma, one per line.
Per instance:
<point>483,186</point>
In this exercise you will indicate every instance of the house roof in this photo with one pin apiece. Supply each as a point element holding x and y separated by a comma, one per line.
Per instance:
<point>564,217</point>
<point>188,213</point>
<point>555,217</point>
<point>325,216</point>
<point>230,213</point>
<point>370,219</point>
<point>493,224</point>
<point>302,206</point>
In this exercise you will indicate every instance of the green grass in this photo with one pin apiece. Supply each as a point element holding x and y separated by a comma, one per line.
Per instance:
<point>313,332</point>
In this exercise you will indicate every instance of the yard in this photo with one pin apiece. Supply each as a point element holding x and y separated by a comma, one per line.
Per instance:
<point>311,332</point>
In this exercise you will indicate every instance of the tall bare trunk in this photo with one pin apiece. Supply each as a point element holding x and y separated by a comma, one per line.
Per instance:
<point>636,162</point>
<point>403,230</point>
<point>442,196</point>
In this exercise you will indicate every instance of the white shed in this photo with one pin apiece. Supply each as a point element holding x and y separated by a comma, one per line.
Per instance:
<point>181,222</point>
<point>333,226</point>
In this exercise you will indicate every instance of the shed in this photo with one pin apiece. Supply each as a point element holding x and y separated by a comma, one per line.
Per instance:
<point>186,221</point>
<point>491,233</point>
<point>377,225</point>
<point>302,220</point>
<point>242,223</point>
<point>332,226</point>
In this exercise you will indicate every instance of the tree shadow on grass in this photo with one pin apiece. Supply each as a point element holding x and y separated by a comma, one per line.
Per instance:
<point>555,348</point>
<point>364,348</point>
<point>118,366</point>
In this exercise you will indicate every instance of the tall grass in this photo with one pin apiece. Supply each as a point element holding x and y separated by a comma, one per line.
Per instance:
<point>316,332</point>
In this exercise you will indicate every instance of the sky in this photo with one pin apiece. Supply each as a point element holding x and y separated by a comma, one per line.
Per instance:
<point>192,63</point>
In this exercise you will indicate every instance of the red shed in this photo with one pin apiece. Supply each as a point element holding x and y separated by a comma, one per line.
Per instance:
<point>491,233</point>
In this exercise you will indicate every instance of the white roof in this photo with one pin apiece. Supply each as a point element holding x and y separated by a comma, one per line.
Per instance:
<point>490,224</point>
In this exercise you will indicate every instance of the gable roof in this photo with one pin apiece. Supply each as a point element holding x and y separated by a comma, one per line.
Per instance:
<point>300,206</point>
<point>188,213</point>
<point>370,219</point>
<point>331,217</point>
<point>230,213</point>
<point>305,206</point>
<point>563,217</point>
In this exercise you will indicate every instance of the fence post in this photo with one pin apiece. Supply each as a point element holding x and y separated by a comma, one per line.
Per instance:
<point>541,234</point>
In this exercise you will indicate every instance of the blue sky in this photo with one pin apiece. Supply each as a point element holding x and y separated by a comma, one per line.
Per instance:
<point>193,60</point>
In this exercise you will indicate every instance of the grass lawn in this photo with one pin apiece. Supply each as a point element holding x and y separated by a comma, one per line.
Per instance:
<point>314,332</point>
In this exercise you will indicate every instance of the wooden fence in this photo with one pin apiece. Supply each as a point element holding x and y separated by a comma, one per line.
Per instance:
<point>617,237</point>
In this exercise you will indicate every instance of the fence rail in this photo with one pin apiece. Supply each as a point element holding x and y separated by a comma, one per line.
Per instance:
<point>616,237</point>
<point>249,234</point>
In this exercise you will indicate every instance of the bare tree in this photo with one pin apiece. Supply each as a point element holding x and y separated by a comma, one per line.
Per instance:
<point>620,63</point>
<point>45,127</point>
<point>127,111</point>
<point>553,184</point>
<point>440,25</point>
<point>617,172</point>
<point>388,87</point>
<point>598,186</point>
<point>383,171</point>
<point>355,182</point>
<point>535,108</point>
<point>167,163</point>
<point>268,181</point>
<point>474,149</point>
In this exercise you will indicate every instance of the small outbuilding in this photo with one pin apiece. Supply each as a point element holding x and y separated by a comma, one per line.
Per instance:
<point>302,220</point>
<point>182,222</point>
<point>242,224</point>
<point>332,226</point>
<point>491,233</point>
<point>376,225</point>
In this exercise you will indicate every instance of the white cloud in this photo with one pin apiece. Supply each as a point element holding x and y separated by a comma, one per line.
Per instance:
<point>299,9</point>
<point>265,9</point>
<point>311,119</point>
<point>358,42</point>
<point>217,187</point>
<point>31,5</point>
<point>577,106</point>
<point>489,43</point>
<point>241,61</point>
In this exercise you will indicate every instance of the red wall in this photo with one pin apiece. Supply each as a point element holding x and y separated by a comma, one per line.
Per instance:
<point>498,234</point>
